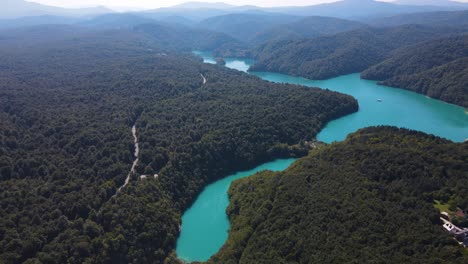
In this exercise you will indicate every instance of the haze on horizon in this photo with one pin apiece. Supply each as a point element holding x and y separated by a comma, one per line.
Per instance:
<point>149,4</point>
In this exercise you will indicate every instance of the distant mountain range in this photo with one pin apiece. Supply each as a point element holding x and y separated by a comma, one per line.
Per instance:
<point>198,5</point>
<point>198,11</point>
<point>439,18</point>
<point>21,8</point>
<point>357,9</point>
<point>344,53</point>
<point>245,27</point>
<point>430,2</point>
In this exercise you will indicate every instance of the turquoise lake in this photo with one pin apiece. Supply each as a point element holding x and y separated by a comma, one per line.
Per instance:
<point>205,225</point>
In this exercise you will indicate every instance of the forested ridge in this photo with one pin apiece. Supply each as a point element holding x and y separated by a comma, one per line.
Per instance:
<point>436,68</point>
<point>437,18</point>
<point>307,27</point>
<point>70,95</point>
<point>369,199</point>
<point>245,27</point>
<point>162,36</point>
<point>66,110</point>
<point>343,53</point>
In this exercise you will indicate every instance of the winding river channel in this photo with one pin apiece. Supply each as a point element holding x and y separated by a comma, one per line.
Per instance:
<point>205,225</point>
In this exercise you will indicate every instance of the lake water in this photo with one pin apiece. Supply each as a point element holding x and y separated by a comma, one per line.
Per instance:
<point>399,107</point>
<point>205,225</point>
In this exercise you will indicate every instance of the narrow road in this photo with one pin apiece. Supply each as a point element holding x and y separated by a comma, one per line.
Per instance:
<point>135,162</point>
<point>137,152</point>
<point>204,79</point>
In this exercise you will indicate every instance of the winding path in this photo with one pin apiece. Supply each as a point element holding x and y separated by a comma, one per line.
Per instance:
<point>137,152</point>
<point>204,79</point>
<point>135,162</point>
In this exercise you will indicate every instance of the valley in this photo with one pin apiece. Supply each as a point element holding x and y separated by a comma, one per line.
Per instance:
<point>200,238</point>
<point>223,133</point>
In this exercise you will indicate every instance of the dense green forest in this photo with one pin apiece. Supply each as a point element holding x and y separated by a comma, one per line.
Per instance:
<point>72,90</point>
<point>308,27</point>
<point>343,53</point>
<point>164,36</point>
<point>437,68</point>
<point>369,199</point>
<point>245,27</point>
<point>68,100</point>
<point>256,29</point>
<point>437,18</point>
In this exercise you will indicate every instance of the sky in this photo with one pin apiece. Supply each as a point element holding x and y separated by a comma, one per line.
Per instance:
<point>147,4</point>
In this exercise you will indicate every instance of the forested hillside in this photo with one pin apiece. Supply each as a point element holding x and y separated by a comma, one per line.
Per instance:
<point>180,38</point>
<point>244,26</point>
<point>66,111</point>
<point>308,27</point>
<point>343,53</point>
<point>162,36</point>
<point>439,18</point>
<point>437,68</point>
<point>361,9</point>
<point>369,199</point>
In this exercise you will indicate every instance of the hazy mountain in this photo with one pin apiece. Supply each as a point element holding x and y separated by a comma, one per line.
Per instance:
<point>198,5</point>
<point>117,21</point>
<point>358,9</point>
<point>29,37</point>
<point>37,20</point>
<point>430,2</point>
<point>436,68</point>
<point>343,53</point>
<point>307,28</point>
<point>349,9</point>
<point>218,5</point>
<point>245,26</point>
<point>196,15</point>
<point>177,20</point>
<point>21,8</point>
<point>441,18</point>
<point>198,11</point>
<point>182,38</point>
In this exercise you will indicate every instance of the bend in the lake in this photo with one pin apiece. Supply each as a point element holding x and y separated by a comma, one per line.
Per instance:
<point>205,225</point>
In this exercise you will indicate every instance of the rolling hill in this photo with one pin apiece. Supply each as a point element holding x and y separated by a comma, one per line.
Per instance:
<point>116,21</point>
<point>308,27</point>
<point>343,53</point>
<point>21,8</point>
<point>439,18</point>
<point>70,104</point>
<point>431,3</point>
<point>37,20</point>
<point>437,68</point>
<point>361,9</point>
<point>246,27</point>
<point>369,199</point>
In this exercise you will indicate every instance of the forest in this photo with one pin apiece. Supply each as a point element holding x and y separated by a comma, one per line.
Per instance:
<point>442,75</point>
<point>439,18</point>
<point>344,53</point>
<point>308,27</point>
<point>68,100</point>
<point>72,89</point>
<point>369,199</point>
